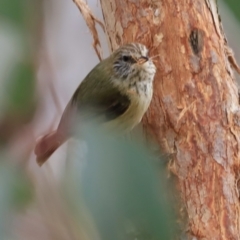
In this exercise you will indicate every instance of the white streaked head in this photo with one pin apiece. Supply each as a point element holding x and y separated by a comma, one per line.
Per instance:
<point>131,61</point>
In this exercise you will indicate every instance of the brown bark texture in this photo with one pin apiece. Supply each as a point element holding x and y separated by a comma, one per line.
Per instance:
<point>195,112</point>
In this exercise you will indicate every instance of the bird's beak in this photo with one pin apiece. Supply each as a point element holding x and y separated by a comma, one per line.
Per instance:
<point>142,60</point>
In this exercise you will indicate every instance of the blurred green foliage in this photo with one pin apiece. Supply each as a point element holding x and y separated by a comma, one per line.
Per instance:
<point>20,85</point>
<point>127,195</point>
<point>17,103</point>
<point>19,100</point>
<point>14,11</point>
<point>234,5</point>
<point>15,193</point>
<point>16,190</point>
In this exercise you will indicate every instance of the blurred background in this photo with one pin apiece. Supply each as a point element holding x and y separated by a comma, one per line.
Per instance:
<point>45,51</point>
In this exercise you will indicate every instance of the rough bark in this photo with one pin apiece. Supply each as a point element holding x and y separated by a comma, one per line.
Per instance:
<point>195,108</point>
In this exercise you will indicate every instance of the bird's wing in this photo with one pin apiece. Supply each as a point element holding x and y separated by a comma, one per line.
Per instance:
<point>96,98</point>
<point>100,103</point>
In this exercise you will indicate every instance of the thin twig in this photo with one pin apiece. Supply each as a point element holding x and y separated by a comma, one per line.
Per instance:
<point>91,21</point>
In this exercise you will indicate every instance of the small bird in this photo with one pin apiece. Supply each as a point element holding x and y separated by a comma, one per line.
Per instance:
<point>117,92</point>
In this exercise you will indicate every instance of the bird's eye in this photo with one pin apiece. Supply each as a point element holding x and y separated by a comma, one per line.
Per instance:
<point>126,58</point>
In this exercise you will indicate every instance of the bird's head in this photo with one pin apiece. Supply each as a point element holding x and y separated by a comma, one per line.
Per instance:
<point>132,60</point>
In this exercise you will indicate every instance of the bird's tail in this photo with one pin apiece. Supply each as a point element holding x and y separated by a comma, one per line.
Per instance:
<point>47,145</point>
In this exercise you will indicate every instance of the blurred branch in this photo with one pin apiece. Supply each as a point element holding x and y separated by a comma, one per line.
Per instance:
<point>91,21</point>
<point>43,55</point>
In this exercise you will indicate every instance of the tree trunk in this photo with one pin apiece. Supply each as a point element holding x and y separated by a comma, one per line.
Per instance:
<point>195,108</point>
